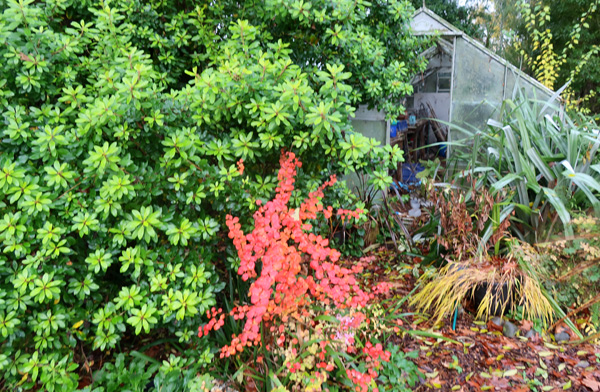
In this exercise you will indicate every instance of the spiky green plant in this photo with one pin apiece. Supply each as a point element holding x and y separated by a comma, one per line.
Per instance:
<point>543,160</point>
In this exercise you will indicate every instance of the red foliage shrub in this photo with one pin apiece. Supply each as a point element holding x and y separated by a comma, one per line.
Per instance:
<point>298,268</point>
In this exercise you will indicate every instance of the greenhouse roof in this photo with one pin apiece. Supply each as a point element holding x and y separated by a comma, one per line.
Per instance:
<point>427,22</point>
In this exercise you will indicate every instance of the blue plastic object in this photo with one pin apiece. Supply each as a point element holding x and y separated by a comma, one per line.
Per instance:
<point>409,172</point>
<point>443,151</point>
<point>394,129</point>
<point>405,187</point>
<point>454,321</point>
<point>459,267</point>
<point>402,126</point>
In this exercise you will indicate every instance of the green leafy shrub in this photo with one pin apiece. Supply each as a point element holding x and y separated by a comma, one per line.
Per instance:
<point>131,128</point>
<point>400,374</point>
<point>136,372</point>
<point>132,375</point>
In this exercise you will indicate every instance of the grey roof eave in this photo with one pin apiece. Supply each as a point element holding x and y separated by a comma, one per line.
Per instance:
<point>455,32</point>
<point>439,33</point>
<point>452,29</point>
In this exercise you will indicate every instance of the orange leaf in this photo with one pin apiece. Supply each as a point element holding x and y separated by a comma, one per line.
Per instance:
<point>526,325</point>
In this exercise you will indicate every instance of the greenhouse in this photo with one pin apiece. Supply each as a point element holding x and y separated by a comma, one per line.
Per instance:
<point>465,83</point>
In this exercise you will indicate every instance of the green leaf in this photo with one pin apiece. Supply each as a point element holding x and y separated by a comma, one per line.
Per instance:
<point>506,180</point>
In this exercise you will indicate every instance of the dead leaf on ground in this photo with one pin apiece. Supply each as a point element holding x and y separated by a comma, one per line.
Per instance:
<point>500,383</point>
<point>591,383</point>
<point>436,382</point>
<point>526,325</point>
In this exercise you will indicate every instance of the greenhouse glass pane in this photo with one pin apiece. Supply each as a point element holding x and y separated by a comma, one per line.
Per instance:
<point>531,91</point>
<point>428,85</point>
<point>478,88</point>
<point>509,88</point>
<point>443,82</point>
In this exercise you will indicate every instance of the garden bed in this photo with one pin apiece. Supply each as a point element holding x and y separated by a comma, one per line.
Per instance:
<point>482,357</point>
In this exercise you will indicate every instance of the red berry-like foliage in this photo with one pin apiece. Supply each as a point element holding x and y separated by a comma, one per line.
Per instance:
<point>298,269</point>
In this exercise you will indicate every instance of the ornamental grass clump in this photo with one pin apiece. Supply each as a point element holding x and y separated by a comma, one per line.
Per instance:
<point>295,275</point>
<point>499,285</point>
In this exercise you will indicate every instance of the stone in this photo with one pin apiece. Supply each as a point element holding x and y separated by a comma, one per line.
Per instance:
<point>531,334</point>
<point>562,337</point>
<point>415,204</point>
<point>415,212</point>
<point>499,321</point>
<point>509,329</point>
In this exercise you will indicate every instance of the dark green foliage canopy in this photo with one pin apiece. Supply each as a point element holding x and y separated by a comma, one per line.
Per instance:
<point>563,16</point>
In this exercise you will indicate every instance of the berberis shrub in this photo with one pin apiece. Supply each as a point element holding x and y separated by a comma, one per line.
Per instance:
<point>284,293</point>
<point>130,129</point>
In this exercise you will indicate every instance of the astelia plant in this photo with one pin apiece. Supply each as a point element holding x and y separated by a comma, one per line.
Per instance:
<point>545,164</point>
<point>292,272</point>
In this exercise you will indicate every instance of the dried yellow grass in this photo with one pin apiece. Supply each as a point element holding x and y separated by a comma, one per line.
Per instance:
<point>457,281</point>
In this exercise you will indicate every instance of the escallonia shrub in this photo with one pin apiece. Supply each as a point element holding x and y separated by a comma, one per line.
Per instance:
<point>294,272</point>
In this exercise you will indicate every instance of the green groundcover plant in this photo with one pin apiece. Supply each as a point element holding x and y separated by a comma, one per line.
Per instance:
<point>400,374</point>
<point>131,128</point>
